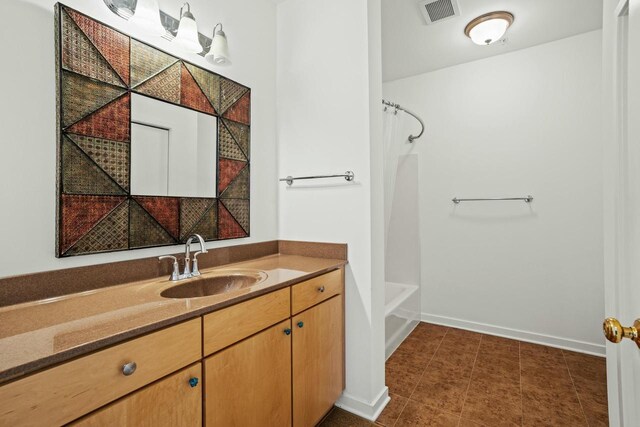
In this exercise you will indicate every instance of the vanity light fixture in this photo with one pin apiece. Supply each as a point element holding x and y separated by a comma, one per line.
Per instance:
<point>184,31</point>
<point>489,28</point>
<point>219,50</point>
<point>147,17</point>
<point>123,8</point>
<point>187,37</point>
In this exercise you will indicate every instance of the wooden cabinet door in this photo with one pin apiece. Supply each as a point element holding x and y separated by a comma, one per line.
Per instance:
<point>249,383</point>
<point>318,361</point>
<point>175,401</point>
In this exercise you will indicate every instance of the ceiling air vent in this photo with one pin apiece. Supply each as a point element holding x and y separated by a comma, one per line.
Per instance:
<point>438,10</point>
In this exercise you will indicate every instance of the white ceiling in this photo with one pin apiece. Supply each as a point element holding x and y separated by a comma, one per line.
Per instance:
<point>411,47</point>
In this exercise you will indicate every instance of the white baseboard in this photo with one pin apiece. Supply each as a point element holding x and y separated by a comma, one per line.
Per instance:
<point>532,337</point>
<point>369,410</point>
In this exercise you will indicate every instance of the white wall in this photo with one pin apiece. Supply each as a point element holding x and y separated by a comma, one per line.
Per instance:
<point>328,122</point>
<point>527,122</point>
<point>27,118</point>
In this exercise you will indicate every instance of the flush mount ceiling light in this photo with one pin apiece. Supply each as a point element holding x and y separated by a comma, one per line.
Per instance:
<point>187,37</point>
<point>489,28</point>
<point>219,52</point>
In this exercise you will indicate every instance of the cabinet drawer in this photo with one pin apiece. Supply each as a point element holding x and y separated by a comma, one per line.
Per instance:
<point>232,324</point>
<point>171,402</point>
<point>68,391</point>
<point>313,291</point>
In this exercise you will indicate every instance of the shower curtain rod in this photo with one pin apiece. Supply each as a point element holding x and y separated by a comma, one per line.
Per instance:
<point>398,107</point>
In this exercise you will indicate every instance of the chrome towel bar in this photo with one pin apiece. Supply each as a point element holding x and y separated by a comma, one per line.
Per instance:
<point>527,199</point>
<point>348,175</point>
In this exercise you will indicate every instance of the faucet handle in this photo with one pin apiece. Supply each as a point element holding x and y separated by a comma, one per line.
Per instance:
<point>187,268</point>
<point>176,268</point>
<point>195,271</point>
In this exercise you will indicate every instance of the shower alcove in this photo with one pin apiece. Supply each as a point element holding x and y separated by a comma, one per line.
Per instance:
<point>402,233</point>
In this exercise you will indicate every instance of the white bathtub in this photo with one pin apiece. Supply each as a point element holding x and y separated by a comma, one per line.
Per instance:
<point>402,313</point>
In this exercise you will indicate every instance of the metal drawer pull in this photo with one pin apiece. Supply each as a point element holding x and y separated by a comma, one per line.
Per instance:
<point>287,331</point>
<point>193,382</point>
<point>300,324</point>
<point>129,368</point>
<point>321,289</point>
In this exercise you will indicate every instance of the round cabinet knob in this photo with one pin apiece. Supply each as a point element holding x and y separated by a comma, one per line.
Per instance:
<point>300,324</point>
<point>129,368</point>
<point>615,332</point>
<point>287,331</point>
<point>193,382</point>
<point>321,289</point>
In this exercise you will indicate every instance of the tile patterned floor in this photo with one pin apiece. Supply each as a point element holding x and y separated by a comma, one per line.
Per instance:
<point>442,376</point>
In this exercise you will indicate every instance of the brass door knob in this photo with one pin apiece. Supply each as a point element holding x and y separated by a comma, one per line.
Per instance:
<point>615,332</point>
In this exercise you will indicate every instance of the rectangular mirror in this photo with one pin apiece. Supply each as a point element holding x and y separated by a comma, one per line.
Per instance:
<point>173,150</point>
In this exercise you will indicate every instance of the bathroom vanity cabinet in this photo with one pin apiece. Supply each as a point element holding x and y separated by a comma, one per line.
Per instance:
<point>295,367</point>
<point>273,360</point>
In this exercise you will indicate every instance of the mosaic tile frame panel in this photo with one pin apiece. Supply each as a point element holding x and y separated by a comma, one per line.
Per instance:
<point>97,70</point>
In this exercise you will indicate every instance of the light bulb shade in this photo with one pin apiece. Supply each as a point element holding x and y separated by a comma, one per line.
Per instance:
<point>219,52</point>
<point>187,37</point>
<point>488,32</point>
<point>147,17</point>
<point>489,28</point>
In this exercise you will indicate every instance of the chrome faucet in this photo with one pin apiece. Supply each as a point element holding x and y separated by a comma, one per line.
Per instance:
<point>188,272</point>
<point>187,254</point>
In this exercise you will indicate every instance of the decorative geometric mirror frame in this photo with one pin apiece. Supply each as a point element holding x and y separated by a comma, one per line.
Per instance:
<point>97,70</point>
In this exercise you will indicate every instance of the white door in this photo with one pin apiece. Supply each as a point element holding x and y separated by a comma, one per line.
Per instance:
<point>621,47</point>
